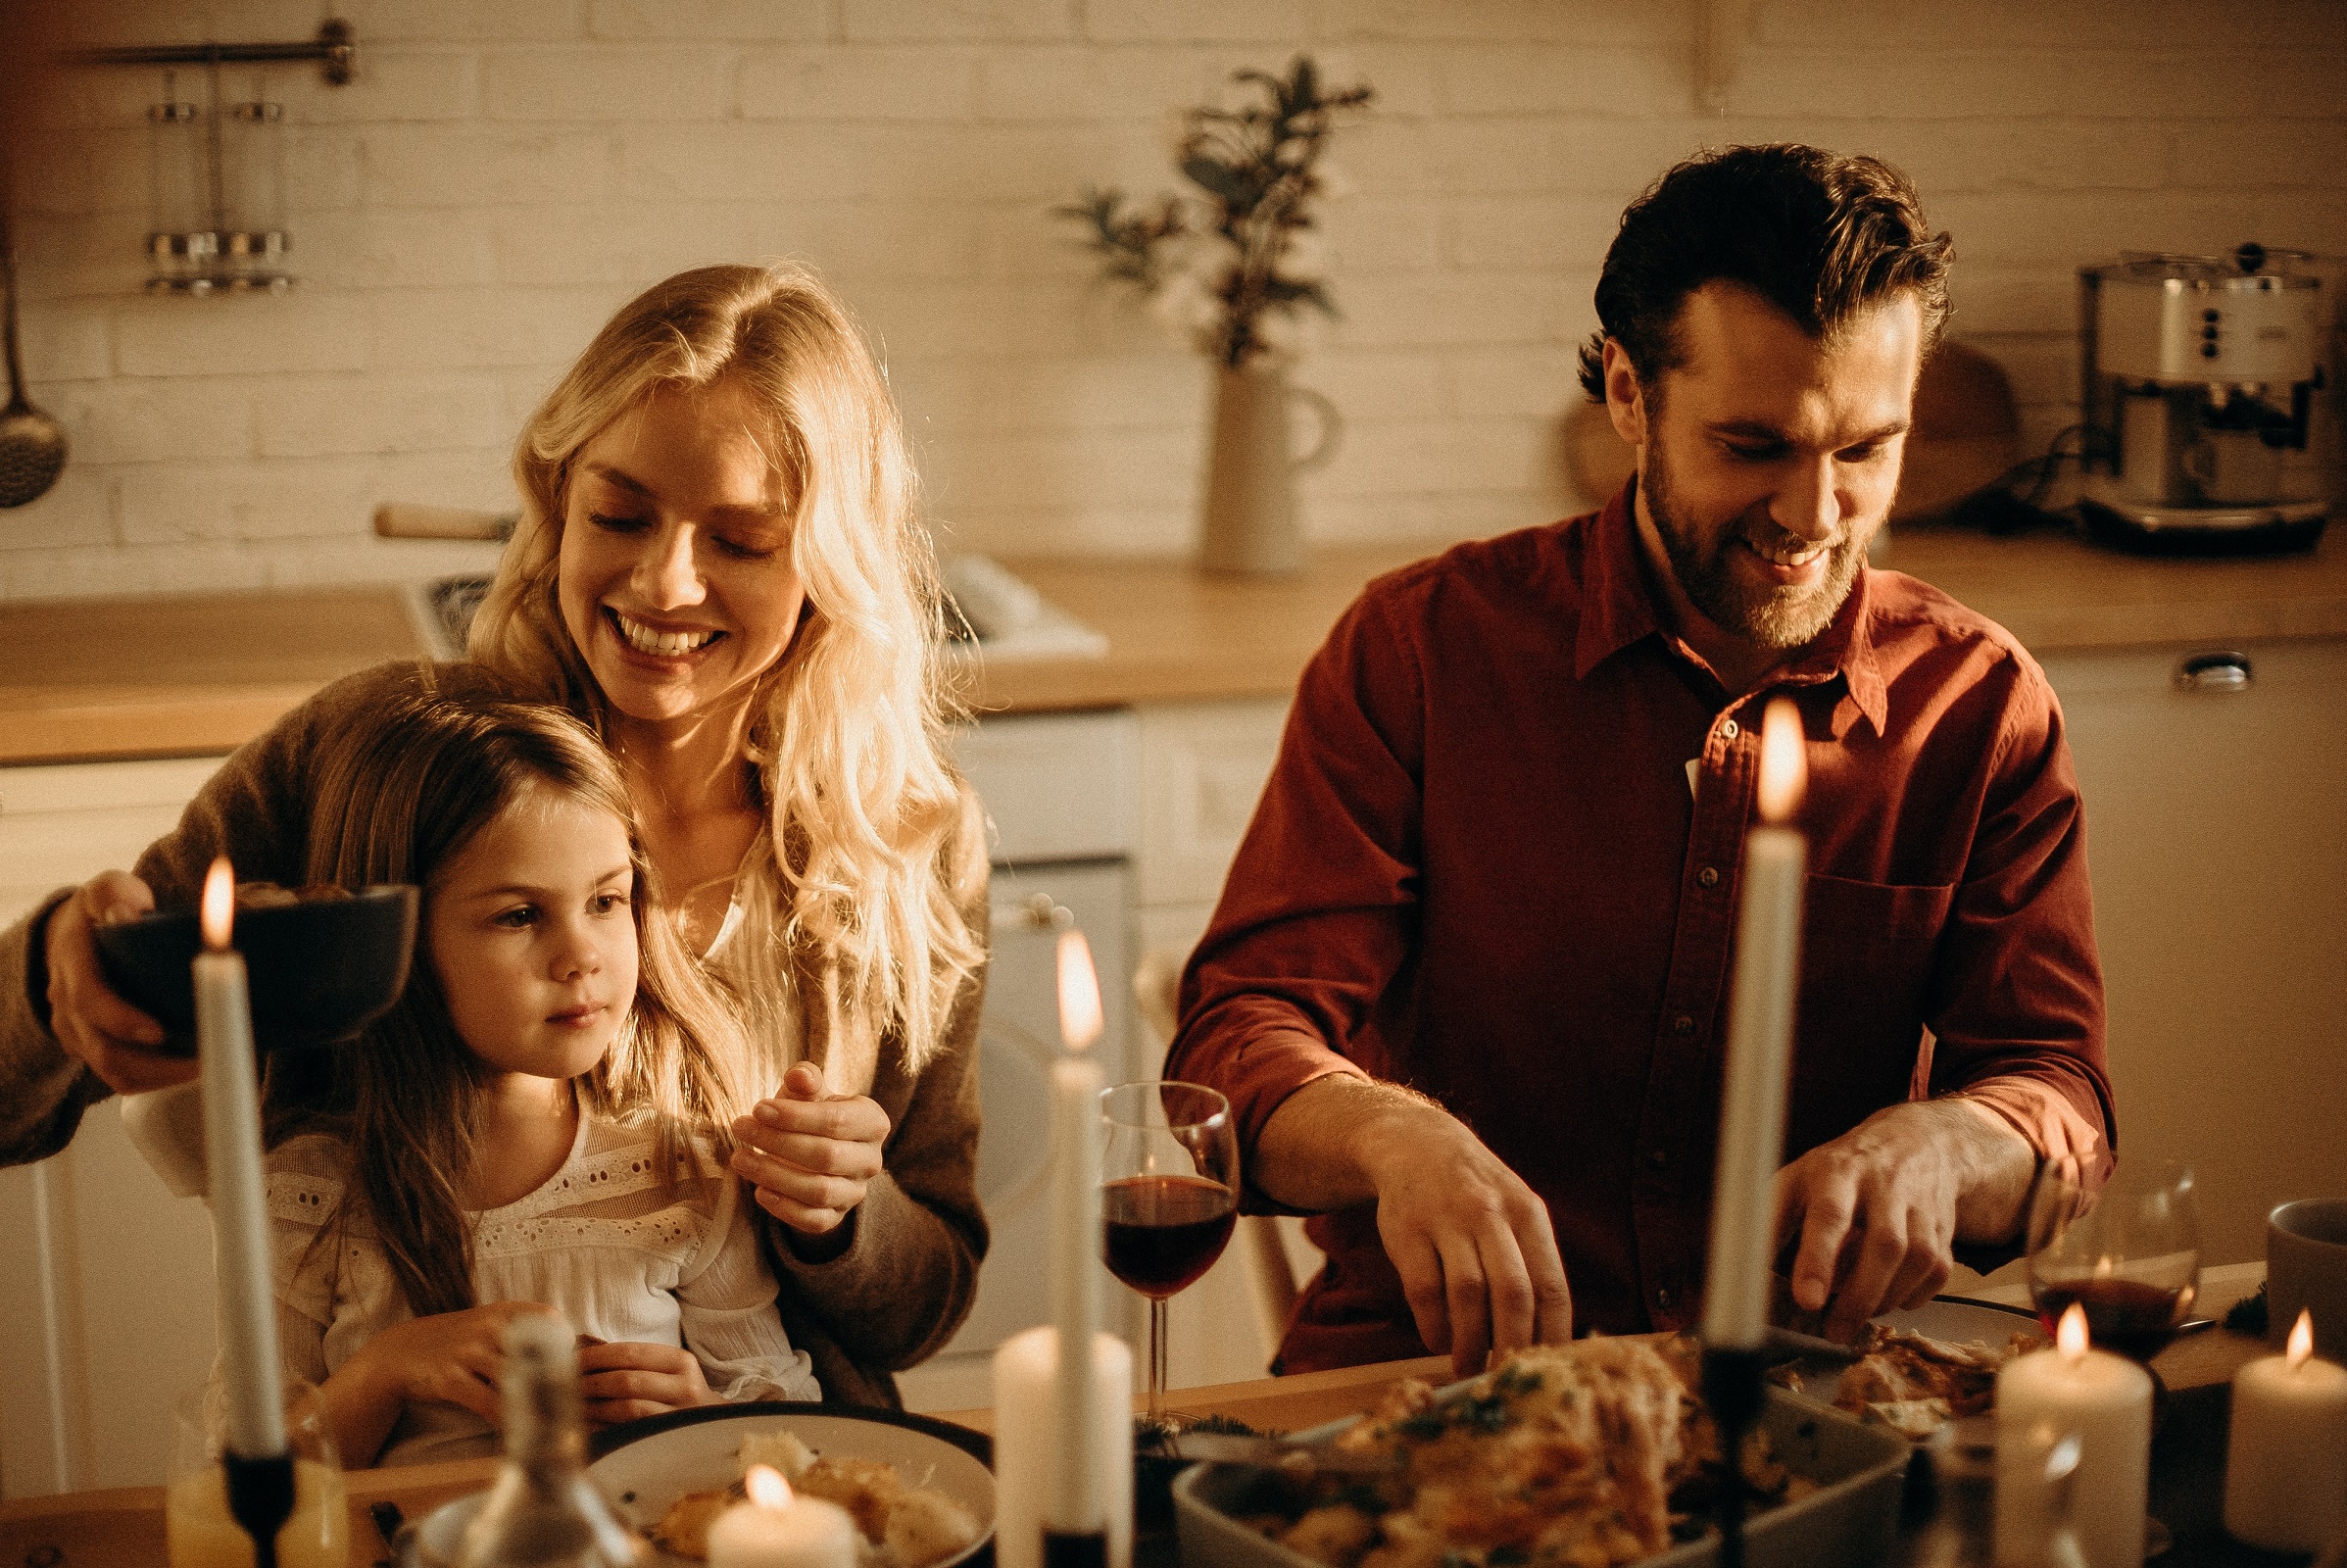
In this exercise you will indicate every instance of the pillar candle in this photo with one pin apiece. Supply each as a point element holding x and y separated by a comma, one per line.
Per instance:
<point>247,1303</point>
<point>1026,1393</point>
<point>1078,1500</point>
<point>775,1529</point>
<point>1768,960</point>
<point>2285,1461</point>
<point>2106,1400</point>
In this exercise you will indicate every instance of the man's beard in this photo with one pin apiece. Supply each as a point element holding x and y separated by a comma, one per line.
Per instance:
<point>1767,617</point>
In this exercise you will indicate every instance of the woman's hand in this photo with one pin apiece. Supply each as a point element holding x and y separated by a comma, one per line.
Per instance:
<point>452,1358</point>
<point>810,1154</point>
<point>118,1042</point>
<point>625,1382</point>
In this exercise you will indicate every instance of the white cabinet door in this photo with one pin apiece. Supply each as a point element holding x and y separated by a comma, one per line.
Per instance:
<point>1203,767</point>
<point>2217,835</point>
<point>105,1277</point>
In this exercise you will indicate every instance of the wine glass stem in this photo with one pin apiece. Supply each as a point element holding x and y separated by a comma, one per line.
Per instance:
<point>1156,1361</point>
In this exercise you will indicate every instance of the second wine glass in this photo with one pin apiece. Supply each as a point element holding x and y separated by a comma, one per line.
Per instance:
<point>1169,1196</point>
<point>2123,1243</point>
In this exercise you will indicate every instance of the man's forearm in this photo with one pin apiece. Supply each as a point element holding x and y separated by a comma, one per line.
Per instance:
<point>1999,1167</point>
<point>1309,1156</point>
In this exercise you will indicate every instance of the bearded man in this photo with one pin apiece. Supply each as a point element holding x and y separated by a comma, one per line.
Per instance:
<point>1467,986</point>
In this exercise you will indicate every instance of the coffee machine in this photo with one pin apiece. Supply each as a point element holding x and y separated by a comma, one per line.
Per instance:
<point>2200,376</point>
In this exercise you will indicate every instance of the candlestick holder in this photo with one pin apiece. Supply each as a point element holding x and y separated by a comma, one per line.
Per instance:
<point>1734,1391</point>
<point>291,1507</point>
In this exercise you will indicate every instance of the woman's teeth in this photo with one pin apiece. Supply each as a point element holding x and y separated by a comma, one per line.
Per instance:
<point>666,644</point>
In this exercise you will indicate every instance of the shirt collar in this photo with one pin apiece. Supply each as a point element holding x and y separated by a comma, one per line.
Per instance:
<point>1618,608</point>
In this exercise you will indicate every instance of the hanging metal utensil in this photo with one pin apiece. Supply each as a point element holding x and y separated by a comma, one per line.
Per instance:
<point>32,446</point>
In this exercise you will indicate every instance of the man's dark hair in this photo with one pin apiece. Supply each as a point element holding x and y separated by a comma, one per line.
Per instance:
<point>1817,234</point>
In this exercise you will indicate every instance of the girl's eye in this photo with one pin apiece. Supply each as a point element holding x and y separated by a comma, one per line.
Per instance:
<point>516,920</point>
<point>607,903</point>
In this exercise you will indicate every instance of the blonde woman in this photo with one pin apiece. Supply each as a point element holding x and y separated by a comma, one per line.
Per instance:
<point>717,568</point>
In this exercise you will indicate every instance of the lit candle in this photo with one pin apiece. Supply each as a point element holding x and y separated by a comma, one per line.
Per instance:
<point>2106,1400</point>
<point>1078,1501</point>
<point>2285,1463</point>
<point>1027,1445</point>
<point>776,1529</point>
<point>247,1301</point>
<point>1768,959</point>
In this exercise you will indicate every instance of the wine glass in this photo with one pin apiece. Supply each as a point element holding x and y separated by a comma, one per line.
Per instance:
<point>1169,1196</point>
<point>2123,1243</point>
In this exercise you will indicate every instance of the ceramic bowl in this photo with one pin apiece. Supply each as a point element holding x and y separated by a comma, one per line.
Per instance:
<point>318,971</point>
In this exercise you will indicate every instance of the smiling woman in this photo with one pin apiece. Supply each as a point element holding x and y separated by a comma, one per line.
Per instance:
<point>717,568</point>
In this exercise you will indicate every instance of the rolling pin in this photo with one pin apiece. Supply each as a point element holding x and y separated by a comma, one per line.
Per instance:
<point>396,520</point>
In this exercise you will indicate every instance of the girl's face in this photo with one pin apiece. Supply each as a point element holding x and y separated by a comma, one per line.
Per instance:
<point>531,933</point>
<point>675,578</point>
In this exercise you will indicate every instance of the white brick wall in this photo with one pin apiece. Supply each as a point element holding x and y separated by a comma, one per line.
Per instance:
<point>501,175</point>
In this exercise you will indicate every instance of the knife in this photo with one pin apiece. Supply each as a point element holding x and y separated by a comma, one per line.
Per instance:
<point>1279,1454</point>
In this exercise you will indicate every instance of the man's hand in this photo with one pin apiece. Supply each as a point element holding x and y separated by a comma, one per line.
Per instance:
<point>1471,1241</point>
<point>118,1042</point>
<point>810,1154</point>
<point>623,1381</point>
<point>1877,1210</point>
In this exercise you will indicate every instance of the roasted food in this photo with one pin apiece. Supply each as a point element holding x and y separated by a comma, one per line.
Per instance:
<point>899,1525</point>
<point>1913,1384</point>
<point>1577,1455</point>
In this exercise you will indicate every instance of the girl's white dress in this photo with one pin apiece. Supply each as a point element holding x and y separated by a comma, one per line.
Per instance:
<point>601,1240</point>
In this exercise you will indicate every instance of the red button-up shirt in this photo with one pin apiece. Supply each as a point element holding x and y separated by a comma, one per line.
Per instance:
<point>1484,867</point>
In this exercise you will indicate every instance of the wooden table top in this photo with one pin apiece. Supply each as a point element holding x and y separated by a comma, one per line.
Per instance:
<point>125,1526</point>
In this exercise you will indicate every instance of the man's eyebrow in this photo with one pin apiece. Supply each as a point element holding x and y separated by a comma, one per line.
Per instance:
<point>1759,430</point>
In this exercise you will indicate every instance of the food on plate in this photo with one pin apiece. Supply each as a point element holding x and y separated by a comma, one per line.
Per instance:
<point>900,1524</point>
<point>1912,1383</point>
<point>269,896</point>
<point>1591,1453</point>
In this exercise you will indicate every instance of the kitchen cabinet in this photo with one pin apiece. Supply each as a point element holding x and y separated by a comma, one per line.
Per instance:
<point>2217,837</point>
<point>91,1243</point>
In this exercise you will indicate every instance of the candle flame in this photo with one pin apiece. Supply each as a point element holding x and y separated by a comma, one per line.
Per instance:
<point>2105,1266</point>
<point>766,1487</point>
<point>2302,1340</point>
<point>2070,1335</point>
<point>218,909</point>
<point>1079,993</point>
<point>1783,769</point>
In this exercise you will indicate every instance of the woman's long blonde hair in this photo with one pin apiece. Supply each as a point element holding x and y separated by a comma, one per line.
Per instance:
<point>401,789</point>
<point>848,739</point>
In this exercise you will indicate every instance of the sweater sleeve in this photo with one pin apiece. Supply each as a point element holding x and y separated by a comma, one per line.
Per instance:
<point>906,1280</point>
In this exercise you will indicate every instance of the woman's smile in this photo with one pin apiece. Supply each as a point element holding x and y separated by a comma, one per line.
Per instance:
<point>656,642</point>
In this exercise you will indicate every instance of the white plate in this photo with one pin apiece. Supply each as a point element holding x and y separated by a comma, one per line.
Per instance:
<point>1943,1318</point>
<point>694,1452</point>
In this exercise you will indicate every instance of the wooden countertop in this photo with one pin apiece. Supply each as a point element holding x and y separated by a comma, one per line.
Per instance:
<point>185,675</point>
<point>125,1525</point>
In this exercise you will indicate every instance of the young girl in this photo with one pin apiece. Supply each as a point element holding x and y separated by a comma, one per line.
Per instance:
<point>469,1158</point>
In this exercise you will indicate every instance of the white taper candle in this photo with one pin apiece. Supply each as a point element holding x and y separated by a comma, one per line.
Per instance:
<point>1079,1491</point>
<point>247,1297</point>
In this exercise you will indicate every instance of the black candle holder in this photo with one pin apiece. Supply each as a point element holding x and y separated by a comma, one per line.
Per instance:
<point>1734,1391</point>
<point>259,1498</point>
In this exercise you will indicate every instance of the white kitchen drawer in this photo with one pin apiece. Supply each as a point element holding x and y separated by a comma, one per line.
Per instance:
<point>66,822</point>
<point>1202,768</point>
<point>1058,786</point>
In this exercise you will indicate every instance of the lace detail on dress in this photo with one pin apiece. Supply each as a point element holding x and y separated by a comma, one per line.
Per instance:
<point>677,1227</point>
<point>632,1167</point>
<point>299,1199</point>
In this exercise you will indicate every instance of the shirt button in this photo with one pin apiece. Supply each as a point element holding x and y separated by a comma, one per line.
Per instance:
<point>1662,1295</point>
<point>1709,876</point>
<point>1682,1025</point>
<point>1729,731</point>
<point>1659,1158</point>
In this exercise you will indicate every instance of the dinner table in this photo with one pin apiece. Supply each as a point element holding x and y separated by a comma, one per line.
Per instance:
<point>123,1527</point>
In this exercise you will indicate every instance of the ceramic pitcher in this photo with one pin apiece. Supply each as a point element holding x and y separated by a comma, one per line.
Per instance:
<point>1250,526</point>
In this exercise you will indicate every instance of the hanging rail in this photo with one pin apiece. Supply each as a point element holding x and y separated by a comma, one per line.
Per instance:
<point>333,49</point>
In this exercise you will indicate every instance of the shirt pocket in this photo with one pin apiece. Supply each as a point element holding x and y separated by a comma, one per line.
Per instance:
<point>1866,969</point>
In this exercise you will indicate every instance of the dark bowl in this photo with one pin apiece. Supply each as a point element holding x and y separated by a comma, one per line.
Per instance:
<point>318,971</point>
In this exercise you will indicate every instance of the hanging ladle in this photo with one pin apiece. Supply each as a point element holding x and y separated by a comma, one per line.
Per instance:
<point>32,446</point>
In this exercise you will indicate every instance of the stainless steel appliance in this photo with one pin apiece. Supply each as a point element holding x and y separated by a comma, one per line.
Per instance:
<point>2200,378</point>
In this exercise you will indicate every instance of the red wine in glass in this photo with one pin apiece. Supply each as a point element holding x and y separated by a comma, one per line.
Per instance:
<point>1165,1231</point>
<point>2133,1317</point>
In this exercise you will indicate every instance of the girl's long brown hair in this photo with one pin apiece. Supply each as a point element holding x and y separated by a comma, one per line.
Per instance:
<point>402,790</point>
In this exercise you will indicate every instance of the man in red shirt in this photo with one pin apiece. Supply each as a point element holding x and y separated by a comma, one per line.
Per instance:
<point>1468,983</point>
